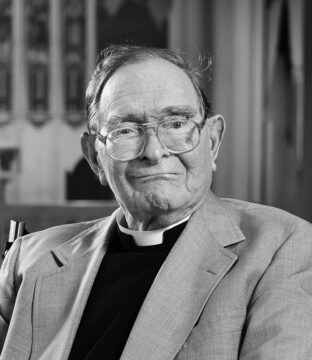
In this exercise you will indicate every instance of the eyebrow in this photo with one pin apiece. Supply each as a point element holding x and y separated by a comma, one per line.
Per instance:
<point>116,120</point>
<point>184,110</point>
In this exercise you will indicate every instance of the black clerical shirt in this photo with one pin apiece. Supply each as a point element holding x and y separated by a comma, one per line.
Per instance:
<point>122,282</point>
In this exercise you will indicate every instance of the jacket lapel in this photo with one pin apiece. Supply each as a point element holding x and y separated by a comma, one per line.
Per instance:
<point>192,270</point>
<point>61,292</point>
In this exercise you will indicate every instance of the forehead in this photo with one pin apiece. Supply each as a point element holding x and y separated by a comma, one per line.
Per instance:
<point>145,88</point>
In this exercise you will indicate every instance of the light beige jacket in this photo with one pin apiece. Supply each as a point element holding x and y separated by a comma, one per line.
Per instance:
<point>236,285</point>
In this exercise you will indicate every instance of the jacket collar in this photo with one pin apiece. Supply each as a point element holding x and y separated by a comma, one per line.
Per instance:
<point>213,218</point>
<point>218,219</point>
<point>86,241</point>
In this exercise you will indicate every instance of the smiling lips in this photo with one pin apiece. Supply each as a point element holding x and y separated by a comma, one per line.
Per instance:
<point>154,176</point>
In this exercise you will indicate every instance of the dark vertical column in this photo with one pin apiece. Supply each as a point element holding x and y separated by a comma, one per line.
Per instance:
<point>307,172</point>
<point>56,67</point>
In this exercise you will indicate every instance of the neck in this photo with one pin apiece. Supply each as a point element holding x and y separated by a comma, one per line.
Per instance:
<point>154,222</point>
<point>145,238</point>
<point>154,219</point>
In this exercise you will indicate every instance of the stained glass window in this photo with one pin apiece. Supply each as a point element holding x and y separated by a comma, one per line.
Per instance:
<point>37,14</point>
<point>74,51</point>
<point>5,58</point>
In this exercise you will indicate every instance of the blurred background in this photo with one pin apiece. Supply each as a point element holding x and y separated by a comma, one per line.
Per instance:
<point>261,82</point>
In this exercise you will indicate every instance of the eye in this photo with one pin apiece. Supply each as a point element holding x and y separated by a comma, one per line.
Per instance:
<point>177,123</point>
<point>123,133</point>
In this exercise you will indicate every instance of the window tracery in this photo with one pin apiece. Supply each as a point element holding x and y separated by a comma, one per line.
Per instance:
<point>37,14</point>
<point>74,57</point>
<point>5,60</point>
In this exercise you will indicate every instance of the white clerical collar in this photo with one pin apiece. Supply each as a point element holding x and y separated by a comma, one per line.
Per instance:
<point>146,238</point>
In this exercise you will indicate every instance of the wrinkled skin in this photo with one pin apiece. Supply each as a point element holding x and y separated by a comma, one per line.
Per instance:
<point>158,188</point>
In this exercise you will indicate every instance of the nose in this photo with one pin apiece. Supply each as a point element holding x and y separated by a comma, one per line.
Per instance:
<point>153,149</point>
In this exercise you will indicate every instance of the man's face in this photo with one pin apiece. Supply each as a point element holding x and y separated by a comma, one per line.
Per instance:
<point>156,183</point>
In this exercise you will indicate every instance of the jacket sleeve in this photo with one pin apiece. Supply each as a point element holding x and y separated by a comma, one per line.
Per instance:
<point>279,319</point>
<point>7,290</point>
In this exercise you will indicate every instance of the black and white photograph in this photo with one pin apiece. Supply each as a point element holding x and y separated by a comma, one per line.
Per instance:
<point>155,180</point>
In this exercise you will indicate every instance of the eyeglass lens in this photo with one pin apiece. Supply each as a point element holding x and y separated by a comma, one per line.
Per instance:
<point>177,136</point>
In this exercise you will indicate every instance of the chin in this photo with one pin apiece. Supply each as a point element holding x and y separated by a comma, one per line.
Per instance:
<point>163,203</point>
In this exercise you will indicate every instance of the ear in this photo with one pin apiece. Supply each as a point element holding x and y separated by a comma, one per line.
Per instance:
<point>217,129</point>
<point>90,153</point>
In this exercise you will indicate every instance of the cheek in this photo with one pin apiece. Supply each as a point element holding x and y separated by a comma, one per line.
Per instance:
<point>198,171</point>
<point>198,166</point>
<point>109,169</point>
<point>115,173</point>
<point>198,178</point>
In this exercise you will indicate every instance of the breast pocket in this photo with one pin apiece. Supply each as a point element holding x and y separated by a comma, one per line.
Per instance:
<point>223,321</point>
<point>216,336</point>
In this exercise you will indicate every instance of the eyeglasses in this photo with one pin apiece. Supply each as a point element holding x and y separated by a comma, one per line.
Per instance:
<point>177,135</point>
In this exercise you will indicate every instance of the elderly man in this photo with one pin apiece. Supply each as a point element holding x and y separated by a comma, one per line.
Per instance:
<point>175,272</point>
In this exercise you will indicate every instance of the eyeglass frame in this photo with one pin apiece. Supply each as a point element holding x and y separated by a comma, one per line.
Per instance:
<point>200,126</point>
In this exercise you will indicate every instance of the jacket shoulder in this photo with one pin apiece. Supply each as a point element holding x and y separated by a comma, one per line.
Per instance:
<point>34,245</point>
<point>269,225</point>
<point>260,214</point>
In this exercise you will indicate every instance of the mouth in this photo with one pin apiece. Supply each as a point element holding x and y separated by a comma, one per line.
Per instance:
<point>155,176</point>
